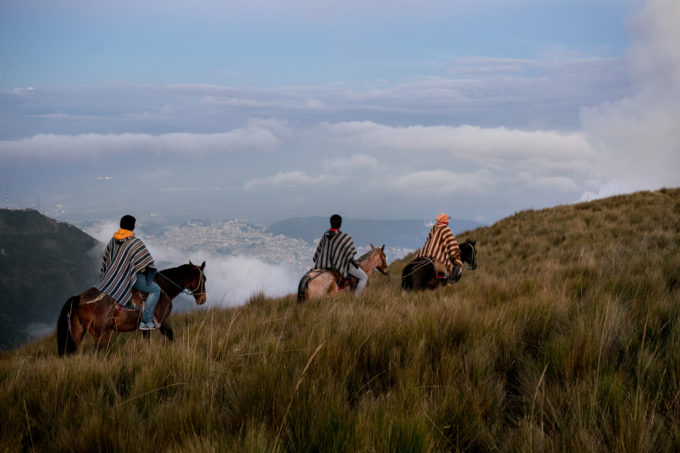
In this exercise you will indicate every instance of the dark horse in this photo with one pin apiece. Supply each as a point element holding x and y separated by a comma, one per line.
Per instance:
<point>95,312</point>
<point>420,273</point>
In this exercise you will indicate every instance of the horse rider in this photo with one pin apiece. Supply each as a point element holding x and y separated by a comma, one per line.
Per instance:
<point>336,251</point>
<point>126,264</point>
<point>442,248</point>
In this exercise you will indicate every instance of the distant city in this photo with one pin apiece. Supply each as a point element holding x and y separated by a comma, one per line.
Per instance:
<point>238,237</point>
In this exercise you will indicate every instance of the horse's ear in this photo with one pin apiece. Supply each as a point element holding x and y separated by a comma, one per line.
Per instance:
<point>372,246</point>
<point>382,249</point>
<point>203,265</point>
<point>191,262</point>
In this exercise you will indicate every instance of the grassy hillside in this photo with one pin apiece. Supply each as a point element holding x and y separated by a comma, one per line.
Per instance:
<point>566,338</point>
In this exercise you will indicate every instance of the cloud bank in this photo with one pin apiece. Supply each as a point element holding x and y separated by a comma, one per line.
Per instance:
<point>637,139</point>
<point>52,146</point>
<point>479,136</point>
<point>231,280</point>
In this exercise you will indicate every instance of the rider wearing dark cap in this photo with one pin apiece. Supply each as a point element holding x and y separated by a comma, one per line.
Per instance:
<point>126,264</point>
<point>336,251</point>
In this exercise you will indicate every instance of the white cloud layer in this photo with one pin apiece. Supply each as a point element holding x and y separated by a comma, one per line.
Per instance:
<point>231,280</point>
<point>499,134</point>
<point>52,146</point>
<point>637,139</point>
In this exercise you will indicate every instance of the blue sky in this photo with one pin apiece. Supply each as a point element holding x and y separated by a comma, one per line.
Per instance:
<point>374,109</point>
<point>305,42</point>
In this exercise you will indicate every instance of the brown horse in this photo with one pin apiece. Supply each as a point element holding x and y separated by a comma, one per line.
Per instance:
<point>324,282</point>
<point>95,312</point>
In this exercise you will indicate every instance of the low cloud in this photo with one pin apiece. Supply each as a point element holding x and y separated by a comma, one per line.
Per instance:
<point>441,159</point>
<point>469,143</point>
<point>52,146</point>
<point>637,139</point>
<point>231,280</point>
<point>355,163</point>
<point>288,179</point>
<point>442,182</point>
<point>331,171</point>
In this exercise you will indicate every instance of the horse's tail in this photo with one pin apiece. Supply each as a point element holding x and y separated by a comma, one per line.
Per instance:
<point>302,288</point>
<point>65,343</point>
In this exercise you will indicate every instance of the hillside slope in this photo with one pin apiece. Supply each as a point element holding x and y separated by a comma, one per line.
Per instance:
<point>42,263</point>
<point>565,338</point>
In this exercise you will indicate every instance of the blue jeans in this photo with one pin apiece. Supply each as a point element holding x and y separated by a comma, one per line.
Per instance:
<point>153,291</point>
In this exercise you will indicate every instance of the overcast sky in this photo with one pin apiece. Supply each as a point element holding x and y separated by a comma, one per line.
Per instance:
<point>370,108</point>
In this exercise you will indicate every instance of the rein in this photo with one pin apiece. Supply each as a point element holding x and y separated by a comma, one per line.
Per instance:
<point>426,263</point>
<point>190,292</point>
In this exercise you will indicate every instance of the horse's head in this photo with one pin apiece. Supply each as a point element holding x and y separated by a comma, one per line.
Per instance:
<point>196,283</point>
<point>468,254</point>
<point>382,265</point>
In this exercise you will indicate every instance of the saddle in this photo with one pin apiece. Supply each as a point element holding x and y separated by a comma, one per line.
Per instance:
<point>343,283</point>
<point>439,271</point>
<point>136,301</point>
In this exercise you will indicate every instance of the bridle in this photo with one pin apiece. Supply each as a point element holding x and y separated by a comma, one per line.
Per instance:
<point>473,260</point>
<point>383,260</point>
<point>201,279</point>
<point>190,292</point>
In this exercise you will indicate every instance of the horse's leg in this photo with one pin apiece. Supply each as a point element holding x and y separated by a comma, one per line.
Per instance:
<point>102,340</point>
<point>126,320</point>
<point>303,290</point>
<point>167,330</point>
<point>163,309</point>
<point>77,328</point>
<point>65,343</point>
<point>101,324</point>
<point>161,312</point>
<point>407,277</point>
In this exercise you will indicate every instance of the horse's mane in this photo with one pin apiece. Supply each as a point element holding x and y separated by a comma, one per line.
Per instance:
<point>174,270</point>
<point>177,272</point>
<point>366,255</point>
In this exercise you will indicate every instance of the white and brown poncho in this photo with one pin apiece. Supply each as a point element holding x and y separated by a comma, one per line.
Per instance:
<point>441,246</point>
<point>335,251</point>
<point>122,260</point>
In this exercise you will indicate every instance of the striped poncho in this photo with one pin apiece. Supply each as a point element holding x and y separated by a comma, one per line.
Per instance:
<point>441,246</point>
<point>335,251</point>
<point>122,260</point>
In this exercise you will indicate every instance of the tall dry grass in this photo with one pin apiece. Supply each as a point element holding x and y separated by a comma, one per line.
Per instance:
<point>564,339</point>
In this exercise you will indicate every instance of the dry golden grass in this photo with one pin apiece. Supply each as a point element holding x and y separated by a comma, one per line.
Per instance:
<point>564,339</point>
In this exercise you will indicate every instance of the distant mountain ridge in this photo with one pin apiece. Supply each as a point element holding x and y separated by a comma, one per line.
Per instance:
<point>406,233</point>
<point>42,263</point>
